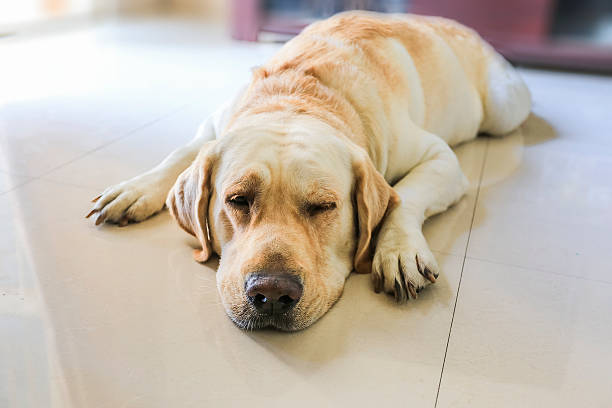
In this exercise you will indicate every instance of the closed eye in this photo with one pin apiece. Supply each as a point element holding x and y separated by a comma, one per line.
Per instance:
<point>239,202</point>
<point>313,209</point>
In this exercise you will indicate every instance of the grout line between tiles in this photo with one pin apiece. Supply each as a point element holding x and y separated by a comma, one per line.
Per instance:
<point>76,186</point>
<point>87,153</point>
<point>528,268</point>
<point>18,185</point>
<point>117,139</point>
<point>44,180</point>
<point>467,244</point>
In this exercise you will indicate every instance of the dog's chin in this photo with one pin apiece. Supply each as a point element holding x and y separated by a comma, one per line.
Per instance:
<point>259,323</point>
<point>256,321</point>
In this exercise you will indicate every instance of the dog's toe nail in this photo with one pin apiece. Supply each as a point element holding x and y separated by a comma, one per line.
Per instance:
<point>411,289</point>
<point>418,264</point>
<point>396,290</point>
<point>100,219</point>
<point>430,276</point>
<point>377,283</point>
<point>93,200</point>
<point>92,212</point>
<point>123,221</point>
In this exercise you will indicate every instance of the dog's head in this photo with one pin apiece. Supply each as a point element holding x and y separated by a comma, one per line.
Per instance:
<point>291,208</point>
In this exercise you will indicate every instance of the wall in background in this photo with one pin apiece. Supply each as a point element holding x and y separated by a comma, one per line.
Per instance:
<point>30,11</point>
<point>22,15</point>
<point>213,9</point>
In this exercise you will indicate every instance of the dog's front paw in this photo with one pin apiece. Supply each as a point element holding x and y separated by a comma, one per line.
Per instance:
<point>133,200</point>
<point>403,265</point>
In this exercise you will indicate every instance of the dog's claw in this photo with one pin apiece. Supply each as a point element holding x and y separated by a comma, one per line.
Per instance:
<point>430,276</point>
<point>427,274</point>
<point>123,221</point>
<point>92,212</point>
<point>377,283</point>
<point>411,289</point>
<point>93,200</point>
<point>398,291</point>
<point>100,219</point>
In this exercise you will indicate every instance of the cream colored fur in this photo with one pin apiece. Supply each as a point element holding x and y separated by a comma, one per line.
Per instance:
<point>359,90</point>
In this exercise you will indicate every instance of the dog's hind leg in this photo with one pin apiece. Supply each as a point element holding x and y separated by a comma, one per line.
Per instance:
<point>138,198</point>
<point>507,101</point>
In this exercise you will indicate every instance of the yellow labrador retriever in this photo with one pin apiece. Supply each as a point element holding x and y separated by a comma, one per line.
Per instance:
<point>330,161</point>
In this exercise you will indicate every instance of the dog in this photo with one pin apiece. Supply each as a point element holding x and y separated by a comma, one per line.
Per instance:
<point>329,161</point>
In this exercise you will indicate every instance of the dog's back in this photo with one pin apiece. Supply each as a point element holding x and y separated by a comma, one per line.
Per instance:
<point>438,72</point>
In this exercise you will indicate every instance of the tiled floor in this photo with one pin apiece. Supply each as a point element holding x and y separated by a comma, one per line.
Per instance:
<point>109,317</point>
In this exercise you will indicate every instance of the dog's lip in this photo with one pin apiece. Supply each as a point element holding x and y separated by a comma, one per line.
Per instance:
<point>257,321</point>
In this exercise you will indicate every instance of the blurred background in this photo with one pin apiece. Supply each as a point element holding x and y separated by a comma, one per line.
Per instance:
<point>573,34</point>
<point>555,33</point>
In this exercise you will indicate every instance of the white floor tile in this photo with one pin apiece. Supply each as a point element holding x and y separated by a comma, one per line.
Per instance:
<point>545,206</point>
<point>100,84</point>
<point>576,105</point>
<point>145,149</point>
<point>522,338</point>
<point>32,147</point>
<point>10,181</point>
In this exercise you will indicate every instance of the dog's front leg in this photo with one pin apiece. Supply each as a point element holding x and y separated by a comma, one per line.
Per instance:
<point>403,263</point>
<point>142,196</point>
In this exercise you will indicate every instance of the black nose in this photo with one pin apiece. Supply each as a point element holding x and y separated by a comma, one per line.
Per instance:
<point>273,294</point>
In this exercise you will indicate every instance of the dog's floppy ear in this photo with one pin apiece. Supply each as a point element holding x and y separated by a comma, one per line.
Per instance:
<point>374,198</point>
<point>188,199</point>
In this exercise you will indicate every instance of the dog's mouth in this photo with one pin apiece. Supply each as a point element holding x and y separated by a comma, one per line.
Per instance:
<point>249,318</point>
<point>257,321</point>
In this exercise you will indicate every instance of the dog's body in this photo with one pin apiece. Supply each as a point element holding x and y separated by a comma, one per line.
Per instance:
<point>351,105</point>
